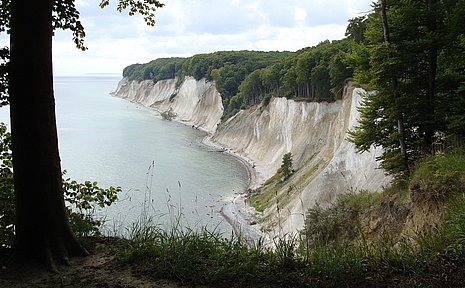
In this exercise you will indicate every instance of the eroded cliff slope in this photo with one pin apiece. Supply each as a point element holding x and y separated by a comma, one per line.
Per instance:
<point>326,164</point>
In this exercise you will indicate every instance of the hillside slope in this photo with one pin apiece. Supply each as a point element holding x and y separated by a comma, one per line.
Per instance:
<point>195,103</point>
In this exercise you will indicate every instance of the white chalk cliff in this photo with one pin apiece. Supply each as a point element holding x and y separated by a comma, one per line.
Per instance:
<point>326,163</point>
<point>195,103</point>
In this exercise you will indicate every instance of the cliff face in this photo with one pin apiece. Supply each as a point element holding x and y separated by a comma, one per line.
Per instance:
<point>326,163</point>
<point>195,103</point>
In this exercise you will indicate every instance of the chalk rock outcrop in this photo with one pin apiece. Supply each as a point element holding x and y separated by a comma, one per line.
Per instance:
<point>194,102</point>
<point>316,134</point>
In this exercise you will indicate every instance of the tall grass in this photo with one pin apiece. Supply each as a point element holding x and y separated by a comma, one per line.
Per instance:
<point>201,257</point>
<point>205,258</point>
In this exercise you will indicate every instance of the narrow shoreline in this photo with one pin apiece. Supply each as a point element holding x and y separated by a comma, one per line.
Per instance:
<point>252,173</point>
<point>238,213</point>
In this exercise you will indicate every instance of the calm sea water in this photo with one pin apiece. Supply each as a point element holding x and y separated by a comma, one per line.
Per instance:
<point>162,167</point>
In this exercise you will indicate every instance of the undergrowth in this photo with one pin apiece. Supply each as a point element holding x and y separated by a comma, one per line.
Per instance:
<point>204,258</point>
<point>339,256</point>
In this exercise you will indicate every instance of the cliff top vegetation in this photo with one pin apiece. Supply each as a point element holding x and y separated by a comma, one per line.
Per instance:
<point>246,78</point>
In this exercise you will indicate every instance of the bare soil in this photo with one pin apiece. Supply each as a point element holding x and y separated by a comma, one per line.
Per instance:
<point>99,269</point>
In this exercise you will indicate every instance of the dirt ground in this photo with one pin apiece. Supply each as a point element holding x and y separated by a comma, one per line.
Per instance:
<point>97,270</point>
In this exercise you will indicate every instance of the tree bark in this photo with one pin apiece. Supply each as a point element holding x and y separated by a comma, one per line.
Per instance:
<point>42,228</point>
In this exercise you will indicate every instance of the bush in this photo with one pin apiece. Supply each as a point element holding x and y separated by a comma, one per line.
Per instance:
<point>82,199</point>
<point>339,222</point>
<point>438,177</point>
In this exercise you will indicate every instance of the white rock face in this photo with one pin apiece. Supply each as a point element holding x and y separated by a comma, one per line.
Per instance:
<point>195,103</point>
<point>316,135</point>
<point>326,163</point>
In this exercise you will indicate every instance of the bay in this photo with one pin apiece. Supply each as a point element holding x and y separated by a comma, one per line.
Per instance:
<point>166,173</point>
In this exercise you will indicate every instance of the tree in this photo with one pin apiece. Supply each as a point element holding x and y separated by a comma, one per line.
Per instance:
<point>356,29</point>
<point>286,166</point>
<point>42,228</point>
<point>394,83</point>
<point>415,52</point>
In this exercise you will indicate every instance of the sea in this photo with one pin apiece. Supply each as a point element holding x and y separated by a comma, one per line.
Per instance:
<point>169,178</point>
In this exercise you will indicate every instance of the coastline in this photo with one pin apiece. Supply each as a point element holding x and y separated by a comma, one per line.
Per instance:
<point>240,215</point>
<point>237,213</point>
<point>255,179</point>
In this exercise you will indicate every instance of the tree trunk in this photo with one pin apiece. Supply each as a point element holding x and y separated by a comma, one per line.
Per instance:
<point>400,115</point>
<point>432,68</point>
<point>42,228</point>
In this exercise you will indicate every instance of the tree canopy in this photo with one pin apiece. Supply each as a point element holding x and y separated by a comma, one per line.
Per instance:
<point>246,78</point>
<point>418,74</point>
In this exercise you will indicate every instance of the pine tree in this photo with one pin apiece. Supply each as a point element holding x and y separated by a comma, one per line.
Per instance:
<point>286,166</point>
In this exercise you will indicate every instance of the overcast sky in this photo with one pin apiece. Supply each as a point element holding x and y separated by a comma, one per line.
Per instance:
<point>188,27</point>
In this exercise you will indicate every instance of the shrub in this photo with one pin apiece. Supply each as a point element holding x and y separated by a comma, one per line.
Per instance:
<point>338,222</point>
<point>438,177</point>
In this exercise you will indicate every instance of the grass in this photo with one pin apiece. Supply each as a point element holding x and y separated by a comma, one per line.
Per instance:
<point>270,195</point>
<point>261,200</point>
<point>205,258</point>
<point>439,177</point>
<point>201,258</point>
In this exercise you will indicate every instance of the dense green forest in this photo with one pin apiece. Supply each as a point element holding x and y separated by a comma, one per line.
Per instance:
<point>246,78</point>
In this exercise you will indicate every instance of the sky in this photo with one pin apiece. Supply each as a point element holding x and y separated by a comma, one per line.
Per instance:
<point>187,27</point>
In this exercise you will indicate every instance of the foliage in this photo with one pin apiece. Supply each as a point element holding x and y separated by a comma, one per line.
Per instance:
<point>418,77</point>
<point>208,258</point>
<point>81,198</point>
<point>156,70</point>
<point>65,16</point>
<point>227,68</point>
<point>145,8</point>
<point>339,222</point>
<point>31,201</point>
<point>246,78</point>
<point>286,166</point>
<point>7,198</point>
<point>439,177</point>
<point>4,56</point>
<point>201,258</point>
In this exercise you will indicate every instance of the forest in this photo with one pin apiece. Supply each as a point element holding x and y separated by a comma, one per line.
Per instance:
<point>409,55</point>
<point>246,78</point>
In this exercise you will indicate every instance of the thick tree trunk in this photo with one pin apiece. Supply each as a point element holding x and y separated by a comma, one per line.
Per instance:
<point>42,228</point>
